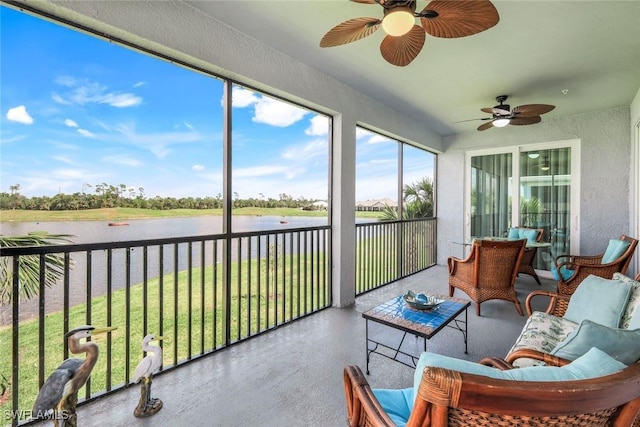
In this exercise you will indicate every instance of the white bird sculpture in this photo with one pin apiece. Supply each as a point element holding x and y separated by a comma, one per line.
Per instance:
<point>147,367</point>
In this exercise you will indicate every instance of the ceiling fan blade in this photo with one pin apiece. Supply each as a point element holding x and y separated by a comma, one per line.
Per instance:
<point>530,110</point>
<point>496,111</point>
<point>525,120</point>
<point>473,120</point>
<point>350,31</point>
<point>458,18</point>
<point>402,50</point>
<point>486,126</point>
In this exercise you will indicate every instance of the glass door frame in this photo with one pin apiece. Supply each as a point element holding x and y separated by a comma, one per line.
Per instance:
<point>516,150</point>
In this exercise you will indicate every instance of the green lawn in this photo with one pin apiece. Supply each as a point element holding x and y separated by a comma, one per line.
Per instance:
<point>191,313</point>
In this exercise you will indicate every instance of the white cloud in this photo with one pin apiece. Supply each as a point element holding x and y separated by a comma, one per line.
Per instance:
<point>197,168</point>
<point>86,92</point>
<point>377,139</point>
<point>19,114</point>
<point>267,110</point>
<point>64,160</point>
<point>307,152</point>
<point>70,123</point>
<point>122,160</point>
<point>319,125</point>
<point>67,173</point>
<point>86,133</point>
<point>242,97</point>
<point>121,100</point>
<point>138,84</point>
<point>157,143</point>
<point>277,113</point>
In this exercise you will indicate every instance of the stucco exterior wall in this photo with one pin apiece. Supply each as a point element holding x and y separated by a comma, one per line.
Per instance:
<point>605,156</point>
<point>634,178</point>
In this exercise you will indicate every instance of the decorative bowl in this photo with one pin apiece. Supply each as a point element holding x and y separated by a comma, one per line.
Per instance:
<point>421,301</point>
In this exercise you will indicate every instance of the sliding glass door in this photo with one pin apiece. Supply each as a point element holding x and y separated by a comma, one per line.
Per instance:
<point>531,186</point>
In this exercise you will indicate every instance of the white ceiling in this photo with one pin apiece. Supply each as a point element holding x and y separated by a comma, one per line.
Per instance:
<point>537,50</point>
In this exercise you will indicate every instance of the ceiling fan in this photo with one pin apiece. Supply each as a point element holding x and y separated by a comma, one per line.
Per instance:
<point>404,40</point>
<point>502,115</point>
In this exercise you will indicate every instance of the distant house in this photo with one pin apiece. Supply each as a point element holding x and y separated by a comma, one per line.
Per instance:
<point>376,204</point>
<point>319,205</point>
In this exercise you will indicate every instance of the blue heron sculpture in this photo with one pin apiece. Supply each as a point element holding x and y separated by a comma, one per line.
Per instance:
<point>58,396</point>
<point>147,367</point>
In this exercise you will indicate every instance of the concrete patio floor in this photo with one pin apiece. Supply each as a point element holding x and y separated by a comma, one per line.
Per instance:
<point>293,375</point>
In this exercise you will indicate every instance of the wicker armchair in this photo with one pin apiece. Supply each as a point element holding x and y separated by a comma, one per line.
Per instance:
<point>451,398</point>
<point>488,272</point>
<point>526,264</point>
<point>583,266</point>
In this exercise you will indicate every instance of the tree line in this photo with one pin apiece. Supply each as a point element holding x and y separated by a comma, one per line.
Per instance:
<point>123,196</point>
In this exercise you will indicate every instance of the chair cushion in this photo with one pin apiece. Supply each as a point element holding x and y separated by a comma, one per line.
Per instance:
<point>600,300</point>
<point>542,332</point>
<point>396,403</point>
<point>564,271</point>
<point>615,248</point>
<point>632,304</point>
<point>530,234</point>
<point>621,344</point>
<point>595,363</point>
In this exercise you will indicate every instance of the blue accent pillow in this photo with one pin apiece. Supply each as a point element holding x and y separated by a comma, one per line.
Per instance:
<point>564,271</point>
<point>396,403</point>
<point>513,233</point>
<point>621,344</point>
<point>530,234</point>
<point>615,248</point>
<point>600,300</point>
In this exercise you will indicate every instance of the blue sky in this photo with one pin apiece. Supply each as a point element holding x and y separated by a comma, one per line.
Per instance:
<point>80,111</point>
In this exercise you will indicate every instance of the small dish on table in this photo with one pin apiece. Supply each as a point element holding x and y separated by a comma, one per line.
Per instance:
<point>421,301</point>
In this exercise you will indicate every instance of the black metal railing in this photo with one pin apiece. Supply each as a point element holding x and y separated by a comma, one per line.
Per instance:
<point>201,293</point>
<point>389,250</point>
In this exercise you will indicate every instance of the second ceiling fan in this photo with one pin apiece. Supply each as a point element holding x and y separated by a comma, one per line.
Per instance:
<point>502,115</point>
<point>404,39</point>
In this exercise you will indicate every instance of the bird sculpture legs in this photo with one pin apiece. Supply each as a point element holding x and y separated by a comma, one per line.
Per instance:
<point>147,406</point>
<point>66,415</point>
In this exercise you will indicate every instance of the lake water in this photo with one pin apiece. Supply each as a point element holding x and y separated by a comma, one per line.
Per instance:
<point>141,229</point>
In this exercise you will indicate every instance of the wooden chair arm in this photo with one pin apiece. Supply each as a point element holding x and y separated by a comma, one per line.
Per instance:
<point>577,259</point>
<point>557,302</point>
<point>496,362</point>
<point>362,406</point>
<point>547,358</point>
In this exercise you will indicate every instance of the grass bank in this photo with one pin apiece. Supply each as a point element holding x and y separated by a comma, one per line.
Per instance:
<point>118,214</point>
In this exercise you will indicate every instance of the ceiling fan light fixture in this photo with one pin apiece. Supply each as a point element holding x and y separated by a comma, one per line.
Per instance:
<point>398,21</point>
<point>500,123</point>
<point>544,167</point>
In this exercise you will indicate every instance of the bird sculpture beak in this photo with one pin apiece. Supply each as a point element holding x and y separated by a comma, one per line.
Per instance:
<point>103,330</point>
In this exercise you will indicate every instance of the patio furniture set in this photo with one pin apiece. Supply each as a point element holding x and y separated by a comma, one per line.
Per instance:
<point>576,363</point>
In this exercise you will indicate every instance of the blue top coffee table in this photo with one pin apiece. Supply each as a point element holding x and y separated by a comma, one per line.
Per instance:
<point>424,324</point>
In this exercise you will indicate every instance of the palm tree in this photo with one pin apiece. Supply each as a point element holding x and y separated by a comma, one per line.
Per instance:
<point>418,202</point>
<point>29,265</point>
